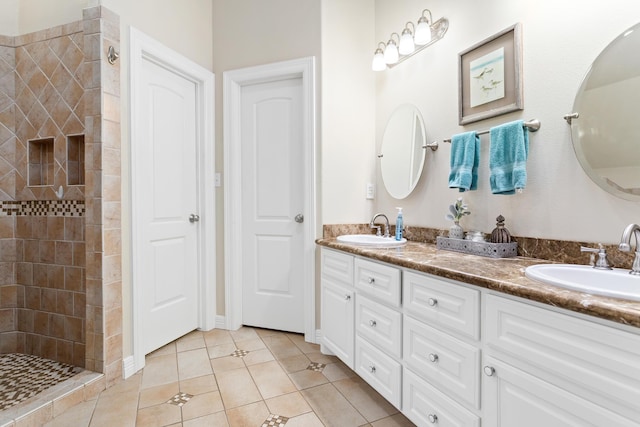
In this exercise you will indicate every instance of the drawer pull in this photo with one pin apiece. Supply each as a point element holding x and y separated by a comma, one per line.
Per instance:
<point>433,357</point>
<point>372,369</point>
<point>432,302</point>
<point>371,280</point>
<point>372,323</point>
<point>433,418</point>
<point>489,371</point>
<point>347,297</point>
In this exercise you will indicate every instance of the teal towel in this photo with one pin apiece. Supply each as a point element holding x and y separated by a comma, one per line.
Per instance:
<point>508,154</point>
<point>465,155</point>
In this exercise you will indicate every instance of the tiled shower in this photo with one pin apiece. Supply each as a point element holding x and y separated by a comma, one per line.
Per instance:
<point>43,295</point>
<point>60,253</point>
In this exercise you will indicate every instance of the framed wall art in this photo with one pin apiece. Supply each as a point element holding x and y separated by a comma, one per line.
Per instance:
<point>490,77</point>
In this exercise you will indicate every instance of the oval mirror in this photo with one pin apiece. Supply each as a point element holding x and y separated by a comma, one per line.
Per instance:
<point>402,155</point>
<point>605,135</point>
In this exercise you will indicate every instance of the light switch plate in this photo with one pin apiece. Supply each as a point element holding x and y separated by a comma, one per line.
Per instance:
<point>371,191</point>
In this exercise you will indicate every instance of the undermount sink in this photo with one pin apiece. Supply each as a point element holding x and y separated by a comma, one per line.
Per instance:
<point>616,283</point>
<point>371,240</point>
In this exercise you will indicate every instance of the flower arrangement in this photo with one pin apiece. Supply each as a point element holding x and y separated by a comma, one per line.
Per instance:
<point>457,211</point>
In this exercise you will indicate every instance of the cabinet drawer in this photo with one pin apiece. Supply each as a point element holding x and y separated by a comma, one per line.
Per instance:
<point>446,362</point>
<point>381,372</point>
<point>443,304</point>
<point>594,361</point>
<point>426,406</point>
<point>379,281</point>
<point>337,266</point>
<point>381,325</point>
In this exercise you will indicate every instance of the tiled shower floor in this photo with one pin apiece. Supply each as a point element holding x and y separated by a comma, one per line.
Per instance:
<point>250,377</point>
<point>23,376</point>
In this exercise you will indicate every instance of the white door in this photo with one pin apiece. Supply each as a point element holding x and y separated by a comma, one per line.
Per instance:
<point>272,205</point>
<point>169,239</point>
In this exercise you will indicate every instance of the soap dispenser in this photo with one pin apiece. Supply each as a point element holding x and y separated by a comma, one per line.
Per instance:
<point>399,224</point>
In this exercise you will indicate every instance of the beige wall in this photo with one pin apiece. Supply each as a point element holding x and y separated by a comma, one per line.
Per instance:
<point>348,110</point>
<point>561,39</point>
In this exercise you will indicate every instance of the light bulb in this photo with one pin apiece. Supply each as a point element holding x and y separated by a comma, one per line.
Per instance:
<point>378,63</point>
<point>423,32</point>
<point>406,42</point>
<point>391,53</point>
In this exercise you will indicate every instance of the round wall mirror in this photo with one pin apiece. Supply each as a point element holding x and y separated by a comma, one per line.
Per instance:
<point>402,156</point>
<point>605,135</point>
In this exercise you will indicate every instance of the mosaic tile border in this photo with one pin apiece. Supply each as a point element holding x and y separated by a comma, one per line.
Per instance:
<point>73,208</point>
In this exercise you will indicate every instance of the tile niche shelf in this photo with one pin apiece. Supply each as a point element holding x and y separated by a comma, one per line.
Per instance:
<point>40,162</point>
<point>75,160</point>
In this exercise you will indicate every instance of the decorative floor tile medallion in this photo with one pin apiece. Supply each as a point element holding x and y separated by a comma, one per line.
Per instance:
<point>239,353</point>
<point>180,399</point>
<point>318,367</point>
<point>275,421</point>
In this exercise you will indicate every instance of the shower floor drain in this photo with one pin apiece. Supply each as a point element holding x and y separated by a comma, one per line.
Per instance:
<point>23,376</point>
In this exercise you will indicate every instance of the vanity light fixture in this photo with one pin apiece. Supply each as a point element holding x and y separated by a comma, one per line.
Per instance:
<point>414,39</point>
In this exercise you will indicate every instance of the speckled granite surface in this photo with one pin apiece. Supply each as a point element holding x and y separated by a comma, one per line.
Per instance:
<point>504,275</point>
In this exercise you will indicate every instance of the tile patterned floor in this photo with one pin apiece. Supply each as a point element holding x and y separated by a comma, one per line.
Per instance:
<point>245,378</point>
<point>23,376</point>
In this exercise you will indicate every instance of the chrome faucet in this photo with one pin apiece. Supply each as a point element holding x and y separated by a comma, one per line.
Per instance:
<point>602,263</point>
<point>372,224</point>
<point>625,246</point>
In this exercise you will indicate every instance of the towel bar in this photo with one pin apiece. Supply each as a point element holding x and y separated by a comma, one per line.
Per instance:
<point>533,125</point>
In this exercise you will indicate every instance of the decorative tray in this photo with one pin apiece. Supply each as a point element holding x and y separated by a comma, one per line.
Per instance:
<point>488,249</point>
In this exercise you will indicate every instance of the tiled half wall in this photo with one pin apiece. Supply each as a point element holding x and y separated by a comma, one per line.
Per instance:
<point>43,293</point>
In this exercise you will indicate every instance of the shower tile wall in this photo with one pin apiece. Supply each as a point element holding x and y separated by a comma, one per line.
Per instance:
<point>41,75</point>
<point>42,251</point>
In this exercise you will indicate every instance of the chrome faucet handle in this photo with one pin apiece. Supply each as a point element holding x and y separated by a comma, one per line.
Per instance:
<point>602,263</point>
<point>377,227</point>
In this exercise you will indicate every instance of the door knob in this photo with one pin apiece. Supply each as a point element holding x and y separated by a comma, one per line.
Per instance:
<point>194,218</point>
<point>299,218</point>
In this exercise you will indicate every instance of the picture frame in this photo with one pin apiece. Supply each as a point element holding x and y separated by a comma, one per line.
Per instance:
<point>490,77</point>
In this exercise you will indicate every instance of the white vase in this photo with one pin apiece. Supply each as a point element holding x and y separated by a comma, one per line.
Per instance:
<point>456,231</point>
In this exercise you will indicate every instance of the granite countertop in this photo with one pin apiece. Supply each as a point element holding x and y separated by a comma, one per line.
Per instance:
<point>504,275</point>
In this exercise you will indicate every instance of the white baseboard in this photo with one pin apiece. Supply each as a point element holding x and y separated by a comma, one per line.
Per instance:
<point>128,367</point>
<point>221,322</point>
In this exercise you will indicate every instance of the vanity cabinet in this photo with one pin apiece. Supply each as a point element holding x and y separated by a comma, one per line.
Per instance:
<point>452,354</point>
<point>337,305</point>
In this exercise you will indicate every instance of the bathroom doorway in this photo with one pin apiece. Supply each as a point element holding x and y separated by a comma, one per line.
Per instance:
<point>270,197</point>
<point>172,192</point>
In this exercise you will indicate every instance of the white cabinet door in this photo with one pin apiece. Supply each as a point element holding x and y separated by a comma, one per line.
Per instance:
<point>338,320</point>
<point>596,362</point>
<point>514,398</point>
